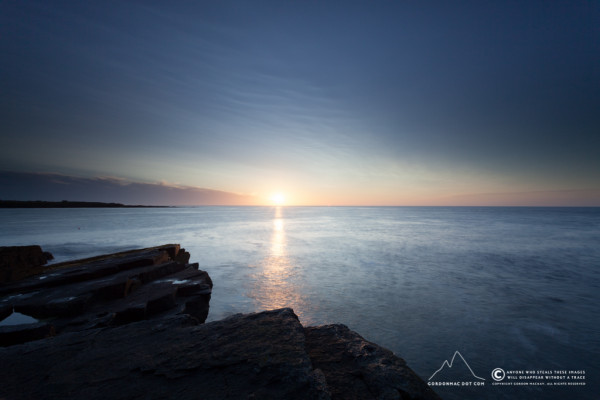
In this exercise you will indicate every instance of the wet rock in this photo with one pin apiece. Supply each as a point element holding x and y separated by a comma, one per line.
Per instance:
<point>357,369</point>
<point>18,262</point>
<point>60,304</point>
<point>89,269</point>
<point>198,306</point>
<point>75,299</point>
<point>5,310</point>
<point>193,288</point>
<point>16,334</point>
<point>182,256</point>
<point>112,290</point>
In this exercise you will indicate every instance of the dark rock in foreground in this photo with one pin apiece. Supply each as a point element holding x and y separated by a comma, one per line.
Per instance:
<point>266,355</point>
<point>129,326</point>
<point>357,369</point>
<point>244,356</point>
<point>18,262</point>
<point>110,290</point>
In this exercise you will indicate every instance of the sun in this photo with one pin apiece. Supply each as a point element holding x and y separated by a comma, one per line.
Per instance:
<point>278,199</point>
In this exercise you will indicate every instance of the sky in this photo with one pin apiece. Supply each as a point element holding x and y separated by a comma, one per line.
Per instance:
<point>322,102</point>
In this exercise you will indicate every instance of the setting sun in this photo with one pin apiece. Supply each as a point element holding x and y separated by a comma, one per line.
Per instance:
<point>278,199</point>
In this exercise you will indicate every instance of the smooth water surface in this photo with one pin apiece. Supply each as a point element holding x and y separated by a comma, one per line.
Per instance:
<point>516,288</point>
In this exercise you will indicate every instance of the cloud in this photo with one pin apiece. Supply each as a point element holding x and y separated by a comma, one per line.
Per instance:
<point>547,198</point>
<point>56,187</point>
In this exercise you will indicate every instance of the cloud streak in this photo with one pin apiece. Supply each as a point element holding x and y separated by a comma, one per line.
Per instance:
<point>316,98</point>
<point>545,198</point>
<point>57,187</point>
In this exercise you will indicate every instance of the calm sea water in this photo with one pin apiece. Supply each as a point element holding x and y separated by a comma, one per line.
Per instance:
<point>510,288</point>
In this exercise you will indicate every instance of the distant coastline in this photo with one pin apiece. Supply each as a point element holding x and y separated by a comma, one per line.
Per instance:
<point>66,204</point>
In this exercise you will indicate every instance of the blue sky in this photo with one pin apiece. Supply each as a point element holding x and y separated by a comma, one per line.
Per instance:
<point>335,102</point>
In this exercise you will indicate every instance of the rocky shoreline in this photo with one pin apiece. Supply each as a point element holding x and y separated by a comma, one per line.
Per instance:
<point>132,325</point>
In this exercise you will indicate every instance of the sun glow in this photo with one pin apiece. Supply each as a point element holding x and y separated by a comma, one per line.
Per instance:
<point>278,199</point>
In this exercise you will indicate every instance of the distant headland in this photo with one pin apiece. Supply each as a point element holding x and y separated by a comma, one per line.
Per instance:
<point>64,204</point>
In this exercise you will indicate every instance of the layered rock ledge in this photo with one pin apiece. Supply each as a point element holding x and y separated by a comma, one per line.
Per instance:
<point>131,325</point>
<point>18,262</point>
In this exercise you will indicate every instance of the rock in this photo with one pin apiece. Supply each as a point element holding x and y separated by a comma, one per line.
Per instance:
<point>266,355</point>
<point>5,310</point>
<point>90,269</point>
<point>112,290</point>
<point>357,369</point>
<point>131,325</point>
<point>16,334</point>
<point>54,304</point>
<point>198,306</point>
<point>252,356</point>
<point>74,299</point>
<point>182,256</point>
<point>18,262</point>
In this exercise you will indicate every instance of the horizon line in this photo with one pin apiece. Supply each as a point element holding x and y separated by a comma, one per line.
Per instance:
<point>310,205</point>
<point>291,205</point>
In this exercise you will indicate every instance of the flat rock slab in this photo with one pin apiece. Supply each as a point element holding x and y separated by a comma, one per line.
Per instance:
<point>114,289</point>
<point>17,334</point>
<point>252,356</point>
<point>92,268</point>
<point>18,262</point>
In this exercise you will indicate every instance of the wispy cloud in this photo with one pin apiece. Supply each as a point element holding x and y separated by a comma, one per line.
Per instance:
<point>56,187</point>
<point>543,198</point>
<point>241,97</point>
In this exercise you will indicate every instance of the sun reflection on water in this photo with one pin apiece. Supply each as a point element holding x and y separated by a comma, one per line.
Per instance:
<point>278,240</point>
<point>275,286</point>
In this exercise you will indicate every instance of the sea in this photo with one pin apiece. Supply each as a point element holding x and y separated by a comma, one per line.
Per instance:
<point>481,302</point>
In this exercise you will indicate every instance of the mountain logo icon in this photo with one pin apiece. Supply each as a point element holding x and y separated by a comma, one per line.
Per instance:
<point>447,366</point>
